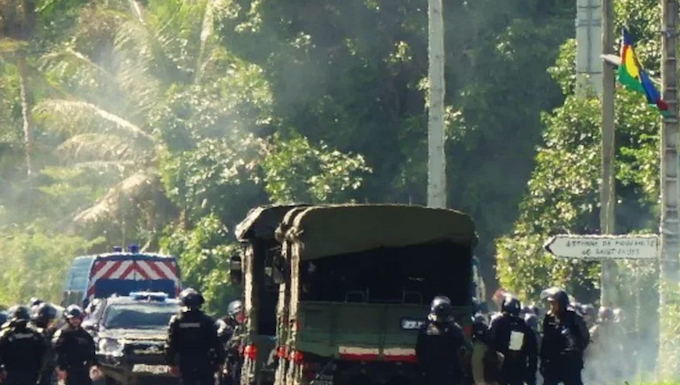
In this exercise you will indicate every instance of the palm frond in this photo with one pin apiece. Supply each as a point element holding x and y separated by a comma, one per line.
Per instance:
<point>68,56</point>
<point>95,147</point>
<point>70,112</point>
<point>139,54</point>
<point>138,187</point>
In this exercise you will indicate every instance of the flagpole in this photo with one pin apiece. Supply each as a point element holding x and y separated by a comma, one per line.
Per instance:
<point>608,186</point>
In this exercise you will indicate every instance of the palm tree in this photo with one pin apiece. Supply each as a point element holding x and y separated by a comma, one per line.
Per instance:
<point>17,23</point>
<point>142,55</point>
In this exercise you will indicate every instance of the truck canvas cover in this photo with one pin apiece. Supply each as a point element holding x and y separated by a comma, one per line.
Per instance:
<point>262,222</point>
<point>322,231</point>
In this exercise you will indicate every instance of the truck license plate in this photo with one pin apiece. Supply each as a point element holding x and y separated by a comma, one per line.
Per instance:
<point>152,369</point>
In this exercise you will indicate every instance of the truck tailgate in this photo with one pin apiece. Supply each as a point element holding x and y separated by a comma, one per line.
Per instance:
<point>363,331</point>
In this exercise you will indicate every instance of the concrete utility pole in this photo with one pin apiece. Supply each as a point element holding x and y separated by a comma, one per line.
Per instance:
<point>670,225</point>
<point>608,187</point>
<point>588,47</point>
<point>436,163</point>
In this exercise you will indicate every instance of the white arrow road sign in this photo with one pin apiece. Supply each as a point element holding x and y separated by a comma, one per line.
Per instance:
<point>599,247</point>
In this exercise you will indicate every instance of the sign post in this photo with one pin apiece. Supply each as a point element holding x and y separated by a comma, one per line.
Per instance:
<point>604,247</point>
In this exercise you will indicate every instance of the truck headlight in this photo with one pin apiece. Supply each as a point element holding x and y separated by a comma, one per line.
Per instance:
<point>110,347</point>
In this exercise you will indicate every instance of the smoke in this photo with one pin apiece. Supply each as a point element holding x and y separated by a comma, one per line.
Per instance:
<point>625,348</point>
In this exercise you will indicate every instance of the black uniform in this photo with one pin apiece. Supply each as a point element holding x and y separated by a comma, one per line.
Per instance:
<point>50,358</point>
<point>21,351</point>
<point>564,340</point>
<point>511,337</point>
<point>230,333</point>
<point>439,345</point>
<point>75,351</point>
<point>42,317</point>
<point>193,345</point>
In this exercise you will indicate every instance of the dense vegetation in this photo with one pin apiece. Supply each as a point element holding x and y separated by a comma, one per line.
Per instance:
<point>161,122</point>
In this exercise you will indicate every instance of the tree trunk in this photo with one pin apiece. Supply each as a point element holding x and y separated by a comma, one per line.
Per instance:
<point>436,187</point>
<point>25,110</point>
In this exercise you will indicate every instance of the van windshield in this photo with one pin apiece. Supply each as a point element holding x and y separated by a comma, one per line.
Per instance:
<point>413,274</point>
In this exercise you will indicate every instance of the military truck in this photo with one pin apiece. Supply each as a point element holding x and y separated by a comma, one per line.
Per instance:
<point>353,285</point>
<point>260,249</point>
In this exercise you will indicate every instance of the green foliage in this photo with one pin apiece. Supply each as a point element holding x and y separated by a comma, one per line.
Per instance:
<point>219,177</point>
<point>184,114</point>
<point>296,171</point>
<point>35,260</point>
<point>203,254</point>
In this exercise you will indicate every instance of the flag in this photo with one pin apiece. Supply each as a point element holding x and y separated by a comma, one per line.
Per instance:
<point>634,77</point>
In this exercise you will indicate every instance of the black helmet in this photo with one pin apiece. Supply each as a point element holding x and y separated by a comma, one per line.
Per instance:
<point>73,311</point>
<point>561,297</point>
<point>43,314</point>
<point>234,308</point>
<point>191,298</point>
<point>479,327</point>
<point>531,320</point>
<point>440,299</point>
<point>35,301</point>
<point>511,305</point>
<point>18,313</point>
<point>441,310</point>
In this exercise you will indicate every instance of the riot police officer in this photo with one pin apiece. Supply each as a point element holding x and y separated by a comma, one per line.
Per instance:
<point>565,337</point>
<point>193,348</point>
<point>21,349</point>
<point>230,330</point>
<point>43,318</point>
<point>439,345</point>
<point>75,350</point>
<point>510,336</point>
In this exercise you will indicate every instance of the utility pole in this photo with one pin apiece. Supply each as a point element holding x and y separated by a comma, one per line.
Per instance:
<point>436,162</point>
<point>608,186</point>
<point>670,225</point>
<point>589,47</point>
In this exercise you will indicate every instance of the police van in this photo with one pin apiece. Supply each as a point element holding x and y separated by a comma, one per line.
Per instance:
<point>119,273</point>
